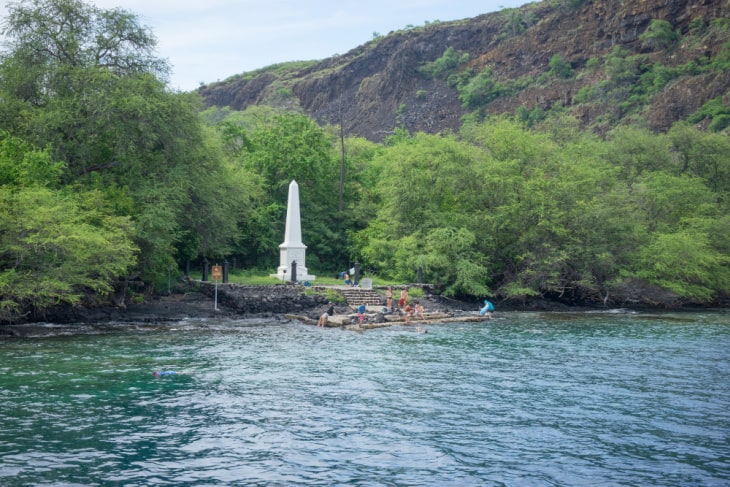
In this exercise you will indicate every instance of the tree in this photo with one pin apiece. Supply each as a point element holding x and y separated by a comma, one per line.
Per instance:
<point>665,200</point>
<point>56,244</point>
<point>427,181</point>
<point>449,61</point>
<point>685,264</point>
<point>51,35</point>
<point>55,247</point>
<point>635,151</point>
<point>451,261</point>
<point>705,155</point>
<point>291,146</point>
<point>85,83</point>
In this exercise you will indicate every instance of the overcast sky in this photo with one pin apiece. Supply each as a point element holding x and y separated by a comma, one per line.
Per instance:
<point>209,40</point>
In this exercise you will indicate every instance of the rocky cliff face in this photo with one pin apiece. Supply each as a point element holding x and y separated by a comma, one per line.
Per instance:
<point>378,86</point>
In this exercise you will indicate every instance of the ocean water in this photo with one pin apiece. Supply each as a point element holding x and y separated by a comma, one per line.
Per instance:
<point>585,399</point>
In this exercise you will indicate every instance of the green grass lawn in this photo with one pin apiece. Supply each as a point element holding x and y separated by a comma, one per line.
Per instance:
<point>257,279</point>
<point>250,278</point>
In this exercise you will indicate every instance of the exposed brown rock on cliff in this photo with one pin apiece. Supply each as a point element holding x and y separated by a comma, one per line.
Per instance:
<point>378,85</point>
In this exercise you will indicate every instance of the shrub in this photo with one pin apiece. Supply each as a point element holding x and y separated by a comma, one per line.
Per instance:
<point>717,111</point>
<point>659,35</point>
<point>559,67</point>
<point>446,64</point>
<point>481,89</point>
<point>593,64</point>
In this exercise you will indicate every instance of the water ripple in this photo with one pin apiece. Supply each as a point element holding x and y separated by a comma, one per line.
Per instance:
<point>531,399</point>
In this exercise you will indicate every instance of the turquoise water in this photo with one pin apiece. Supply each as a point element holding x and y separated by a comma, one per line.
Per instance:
<point>526,399</point>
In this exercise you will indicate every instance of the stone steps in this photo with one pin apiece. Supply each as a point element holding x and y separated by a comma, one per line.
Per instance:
<point>355,296</point>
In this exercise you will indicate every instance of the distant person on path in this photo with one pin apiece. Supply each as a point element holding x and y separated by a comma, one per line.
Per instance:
<point>487,310</point>
<point>347,279</point>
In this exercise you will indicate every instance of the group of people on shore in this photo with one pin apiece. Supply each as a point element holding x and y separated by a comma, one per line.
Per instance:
<point>402,301</point>
<point>411,310</point>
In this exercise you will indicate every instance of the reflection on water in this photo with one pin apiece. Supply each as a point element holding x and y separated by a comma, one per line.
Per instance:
<point>527,399</point>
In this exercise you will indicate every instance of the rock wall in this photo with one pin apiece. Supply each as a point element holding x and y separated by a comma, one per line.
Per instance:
<point>285,298</point>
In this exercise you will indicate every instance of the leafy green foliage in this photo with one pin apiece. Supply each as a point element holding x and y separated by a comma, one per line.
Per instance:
<point>715,110</point>
<point>451,260</point>
<point>85,83</point>
<point>517,213</point>
<point>49,36</point>
<point>704,155</point>
<point>448,63</point>
<point>54,247</point>
<point>55,244</point>
<point>659,35</point>
<point>684,263</point>
<point>559,67</point>
<point>20,165</point>
<point>517,21</point>
<point>481,89</point>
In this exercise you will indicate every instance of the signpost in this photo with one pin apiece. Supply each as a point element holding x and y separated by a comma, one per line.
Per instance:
<point>217,274</point>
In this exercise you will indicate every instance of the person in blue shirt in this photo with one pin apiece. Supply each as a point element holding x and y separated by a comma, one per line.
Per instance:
<point>361,312</point>
<point>487,310</point>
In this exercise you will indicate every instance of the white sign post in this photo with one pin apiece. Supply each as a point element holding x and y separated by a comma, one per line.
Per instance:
<point>217,275</point>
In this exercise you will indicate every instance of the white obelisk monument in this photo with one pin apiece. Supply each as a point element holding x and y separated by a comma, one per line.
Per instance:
<point>293,250</point>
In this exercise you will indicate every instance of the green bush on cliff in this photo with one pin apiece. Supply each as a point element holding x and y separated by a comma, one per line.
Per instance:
<point>449,61</point>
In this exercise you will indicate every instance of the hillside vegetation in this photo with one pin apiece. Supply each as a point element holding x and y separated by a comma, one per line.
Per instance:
<point>112,186</point>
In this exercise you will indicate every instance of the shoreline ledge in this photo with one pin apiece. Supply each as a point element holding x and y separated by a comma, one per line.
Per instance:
<point>350,321</point>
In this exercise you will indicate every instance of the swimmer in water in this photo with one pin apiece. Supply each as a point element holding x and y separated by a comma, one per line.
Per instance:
<point>163,373</point>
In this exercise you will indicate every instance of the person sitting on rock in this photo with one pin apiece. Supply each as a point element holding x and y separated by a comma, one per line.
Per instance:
<point>325,316</point>
<point>409,312</point>
<point>418,311</point>
<point>361,312</point>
